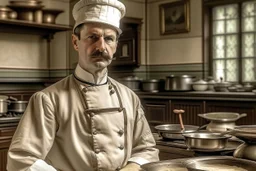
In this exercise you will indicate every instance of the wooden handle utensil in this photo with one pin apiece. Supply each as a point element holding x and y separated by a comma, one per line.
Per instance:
<point>180,112</point>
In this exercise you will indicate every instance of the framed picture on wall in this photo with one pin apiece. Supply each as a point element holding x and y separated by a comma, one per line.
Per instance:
<point>174,17</point>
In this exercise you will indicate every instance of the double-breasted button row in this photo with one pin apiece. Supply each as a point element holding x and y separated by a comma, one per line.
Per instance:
<point>121,147</point>
<point>112,91</point>
<point>121,132</point>
<point>85,90</point>
<point>97,151</point>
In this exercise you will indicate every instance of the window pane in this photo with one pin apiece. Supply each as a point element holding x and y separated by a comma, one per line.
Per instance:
<point>218,47</point>
<point>248,16</point>
<point>248,24</point>
<point>218,13</point>
<point>232,68</point>
<point>219,68</point>
<point>232,46</point>
<point>231,11</point>
<point>248,9</point>
<point>232,26</point>
<point>249,69</point>
<point>218,27</point>
<point>248,48</point>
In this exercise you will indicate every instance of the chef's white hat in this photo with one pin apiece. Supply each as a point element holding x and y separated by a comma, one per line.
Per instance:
<point>101,11</point>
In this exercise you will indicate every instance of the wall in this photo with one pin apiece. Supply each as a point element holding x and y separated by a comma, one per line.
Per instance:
<point>163,55</point>
<point>26,56</point>
<point>30,52</point>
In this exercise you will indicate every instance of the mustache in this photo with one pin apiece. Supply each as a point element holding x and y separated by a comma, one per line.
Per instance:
<point>103,54</point>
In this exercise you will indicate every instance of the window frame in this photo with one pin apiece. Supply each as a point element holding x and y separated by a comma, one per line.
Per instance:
<point>207,24</point>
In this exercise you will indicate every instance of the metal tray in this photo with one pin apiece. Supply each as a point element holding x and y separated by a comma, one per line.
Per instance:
<point>197,163</point>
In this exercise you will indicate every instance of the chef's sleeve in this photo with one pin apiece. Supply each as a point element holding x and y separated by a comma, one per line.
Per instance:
<point>143,150</point>
<point>34,136</point>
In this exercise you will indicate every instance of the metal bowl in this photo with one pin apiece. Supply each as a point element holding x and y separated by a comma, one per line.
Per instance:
<point>164,165</point>
<point>220,163</point>
<point>244,132</point>
<point>206,140</point>
<point>174,131</point>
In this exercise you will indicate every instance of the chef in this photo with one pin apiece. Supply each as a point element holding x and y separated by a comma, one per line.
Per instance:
<point>87,121</point>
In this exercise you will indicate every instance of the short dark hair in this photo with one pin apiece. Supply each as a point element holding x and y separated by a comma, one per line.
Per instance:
<point>78,29</point>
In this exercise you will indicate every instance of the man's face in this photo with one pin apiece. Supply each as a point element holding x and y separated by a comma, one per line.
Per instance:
<point>96,46</point>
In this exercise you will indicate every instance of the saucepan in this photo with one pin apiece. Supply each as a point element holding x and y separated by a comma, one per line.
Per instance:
<point>174,131</point>
<point>219,163</point>
<point>206,140</point>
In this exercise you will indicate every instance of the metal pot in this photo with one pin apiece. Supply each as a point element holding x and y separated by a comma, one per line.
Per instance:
<point>221,121</point>
<point>4,106</point>
<point>219,163</point>
<point>205,140</point>
<point>178,83</point>
<point>174,131</point>
<point>18,106</point>
<point>152,85</point>
<point>132,82</point>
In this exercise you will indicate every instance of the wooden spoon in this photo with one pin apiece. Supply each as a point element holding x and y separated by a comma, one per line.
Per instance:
<point>179,112</point>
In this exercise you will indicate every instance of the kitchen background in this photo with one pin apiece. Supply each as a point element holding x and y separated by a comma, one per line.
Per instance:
<point>27,62</point>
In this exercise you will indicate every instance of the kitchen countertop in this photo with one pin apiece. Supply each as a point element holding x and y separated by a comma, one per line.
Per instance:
<point>203,95</point>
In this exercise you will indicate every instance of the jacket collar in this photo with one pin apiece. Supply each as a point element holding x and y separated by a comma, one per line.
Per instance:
<point>86,77</point>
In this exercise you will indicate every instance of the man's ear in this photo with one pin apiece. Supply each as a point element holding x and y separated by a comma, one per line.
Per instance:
<point>75,42</point>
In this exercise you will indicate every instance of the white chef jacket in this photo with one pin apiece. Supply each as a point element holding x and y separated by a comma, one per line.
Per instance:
<point>76,126</point>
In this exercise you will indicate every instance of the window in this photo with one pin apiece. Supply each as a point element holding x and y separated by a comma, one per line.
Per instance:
<point>232,45</point>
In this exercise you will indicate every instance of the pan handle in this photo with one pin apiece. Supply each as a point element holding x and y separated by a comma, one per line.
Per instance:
<point>242,115</point>
<point>202,127</point>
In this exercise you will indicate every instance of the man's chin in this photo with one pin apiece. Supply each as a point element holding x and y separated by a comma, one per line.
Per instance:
<point>102,64</point>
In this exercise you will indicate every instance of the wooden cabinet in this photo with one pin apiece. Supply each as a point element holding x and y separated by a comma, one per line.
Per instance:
<point>156,111</point>
<point>234,106</point>
<point>128,50</point>
<point>159,106</point>
<point>191,108</point>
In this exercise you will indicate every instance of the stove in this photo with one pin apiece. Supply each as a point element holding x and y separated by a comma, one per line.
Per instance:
<point>10,119</point>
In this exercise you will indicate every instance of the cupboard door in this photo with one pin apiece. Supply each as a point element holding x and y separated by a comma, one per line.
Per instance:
<point>156,111</point>
<point>234,106</point>
<point>191,108</point>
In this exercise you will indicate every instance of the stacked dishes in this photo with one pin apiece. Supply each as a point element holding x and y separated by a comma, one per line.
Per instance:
<point>32,11</point>
<point>27,10</point>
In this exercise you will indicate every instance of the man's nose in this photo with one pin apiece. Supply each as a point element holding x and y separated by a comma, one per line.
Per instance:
<point>101,46</point>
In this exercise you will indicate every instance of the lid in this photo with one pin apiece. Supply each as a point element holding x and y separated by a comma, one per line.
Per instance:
<point>150,81</point>
<point>5,9</point>
<point>3,97</point>
<point>200,82</point>
<point>180,76</point>
<point>222,83</point>
<point>130,78</point>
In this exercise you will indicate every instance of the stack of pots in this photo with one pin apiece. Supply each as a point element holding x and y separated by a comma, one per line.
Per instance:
<point>10,104</point>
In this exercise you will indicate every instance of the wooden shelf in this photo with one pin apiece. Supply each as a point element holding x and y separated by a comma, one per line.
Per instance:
<point>26,27</point>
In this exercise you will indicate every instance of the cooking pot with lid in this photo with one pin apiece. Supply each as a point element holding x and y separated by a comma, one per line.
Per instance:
<point>132,82</point>
<point>4,106</point>
<point>221,121</point>
<point>179,82</point>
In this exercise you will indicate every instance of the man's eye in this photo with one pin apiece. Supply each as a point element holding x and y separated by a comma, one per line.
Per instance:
<point>109,39</point>
<point>93,37</point>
